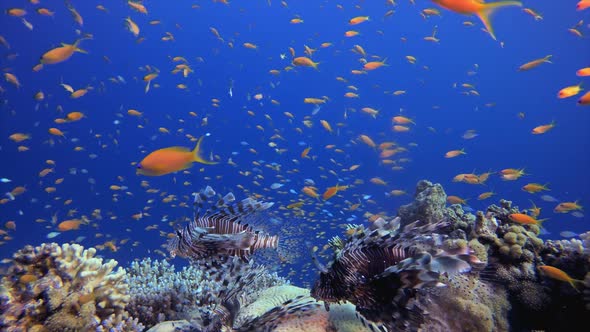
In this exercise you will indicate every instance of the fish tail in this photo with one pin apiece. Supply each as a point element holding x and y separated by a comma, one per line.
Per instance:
<point>547,59</point>
<point>580,283</point>
<point>197,157</point>
<point>488,9</point>
<point>77,49</point>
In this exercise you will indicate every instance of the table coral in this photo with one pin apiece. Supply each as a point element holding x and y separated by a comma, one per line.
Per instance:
<point>56,288</point>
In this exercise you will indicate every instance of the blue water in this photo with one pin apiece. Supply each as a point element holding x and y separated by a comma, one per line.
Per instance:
<point>441,112</point>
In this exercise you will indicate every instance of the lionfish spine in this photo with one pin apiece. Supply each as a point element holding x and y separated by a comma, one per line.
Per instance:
<point>265,241</point>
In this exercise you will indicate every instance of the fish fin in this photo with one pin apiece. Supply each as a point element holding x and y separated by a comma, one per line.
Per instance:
<point>488,9</point>
<point>176,148</point>
<point>197,157</point>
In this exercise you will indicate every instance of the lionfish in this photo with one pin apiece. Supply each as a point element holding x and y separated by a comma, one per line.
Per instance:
<point>381,269</point>
<point>223,230</point>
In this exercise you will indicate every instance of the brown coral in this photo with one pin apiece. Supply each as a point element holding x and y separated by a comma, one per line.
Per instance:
<point>56,288</point>
<point>468,304</point>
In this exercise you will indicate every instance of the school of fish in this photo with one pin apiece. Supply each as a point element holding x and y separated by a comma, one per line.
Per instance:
<point>326,160</point>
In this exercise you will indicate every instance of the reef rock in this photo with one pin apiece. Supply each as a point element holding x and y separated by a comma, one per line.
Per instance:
<point>428,205</point>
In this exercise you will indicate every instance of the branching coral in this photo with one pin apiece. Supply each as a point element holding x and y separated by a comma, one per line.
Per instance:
<point>158,293</point>
<point>56,288</point>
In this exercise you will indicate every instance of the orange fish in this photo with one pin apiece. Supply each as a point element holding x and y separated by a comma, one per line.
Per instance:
<point>399,119</point>
<point>358,20</point>
<point>17,12</point>
<point>511,174</point>
<point>585,99</point>
<point>314,101</point>
<point>170,160</point>
<point>454,153</point>
<point>525,219</point>
<point>566,207</point>
<point>543,128</point>
<point>456,200</point>
<point>75,15</point>
<point>534,187</point>
<point>569,91</point>
<point>485,195</point>
<point>45,12</point>
<point>69,225</point>
<point>378,181</point>
<point>56,132</point>
<point>11,78</point>
<point>134,112</point>
<point>583,4</point>
<point>19,137</point>
<point>60,54</point>
<point>476,7</point>
<point>137,6</point>
<point>374,65</point>
<point>305,152</point>
<point>557,274</point>
<point>583,71</point>
<point>331,191</point>
<point>400,128</point>
<point>311,192</point>
<point>534,63</point>
<point>251,46</point>
<point>132,26</point>
<point>367,140</point>
<point>305,62</point>
<point>74,116</point>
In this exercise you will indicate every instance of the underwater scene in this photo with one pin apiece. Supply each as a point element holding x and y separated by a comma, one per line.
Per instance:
<point>294,166</point>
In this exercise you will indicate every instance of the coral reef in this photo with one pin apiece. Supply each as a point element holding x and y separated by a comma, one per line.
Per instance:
<point>429,203</point>
<point>379,269</point>
<point>341,317</point>
<point>433,268</point>
<point>513,252</point>
<point>57,288</point>
<point>467,304</point>
<point>158,293</point>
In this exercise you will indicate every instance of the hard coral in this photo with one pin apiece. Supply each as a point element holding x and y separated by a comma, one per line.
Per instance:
<point>268,299</point>
<point>158,293</point>
<point>429,203</point>
<point>56,288</point>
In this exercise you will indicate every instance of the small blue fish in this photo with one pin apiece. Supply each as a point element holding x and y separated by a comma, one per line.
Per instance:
<point>5,180</point>
<point>52,235</point>
<point>568,234</point>
<point>549,198</point>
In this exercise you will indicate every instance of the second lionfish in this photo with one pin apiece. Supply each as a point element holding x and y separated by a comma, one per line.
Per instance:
<point>225,229</point>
